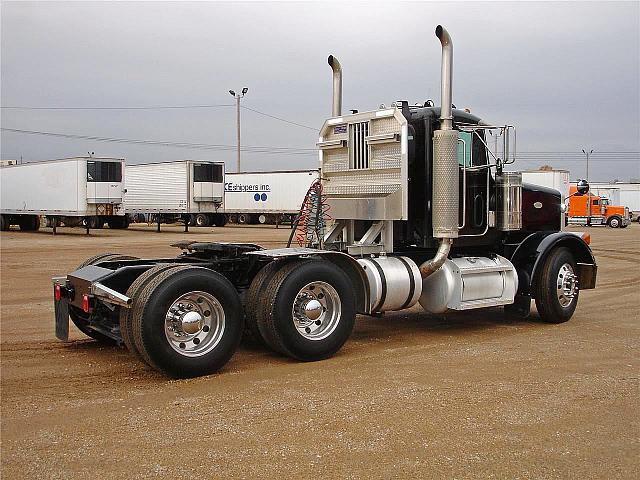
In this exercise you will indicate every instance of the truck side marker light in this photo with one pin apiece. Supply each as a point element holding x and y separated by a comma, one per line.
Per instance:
<point>85,303</point>
<point>587,238</point>
<point>57,293</point>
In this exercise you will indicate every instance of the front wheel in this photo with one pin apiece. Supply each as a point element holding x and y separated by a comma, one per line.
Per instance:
<point>614,222</point>
<point>556,288</point>
<point>188,322</point>
<point>307,310</point>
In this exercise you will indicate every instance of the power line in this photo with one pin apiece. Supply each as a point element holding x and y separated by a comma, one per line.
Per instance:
<point>278,118</point>
<point>191,145</point>
<point>153,107</point>
<point>161,107</point>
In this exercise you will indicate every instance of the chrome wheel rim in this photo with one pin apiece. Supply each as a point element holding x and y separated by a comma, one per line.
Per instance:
<point>316,310</point>
<point>566,285</point>
<point>614,222</point>
<point>194,324</point>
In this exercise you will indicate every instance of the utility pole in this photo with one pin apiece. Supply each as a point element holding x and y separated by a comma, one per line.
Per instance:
<point>588,194</point>
<point>238,96</point>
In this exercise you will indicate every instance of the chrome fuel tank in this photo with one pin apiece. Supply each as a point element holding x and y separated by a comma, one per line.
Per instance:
<point>470,282</point>
<point>394,282</point>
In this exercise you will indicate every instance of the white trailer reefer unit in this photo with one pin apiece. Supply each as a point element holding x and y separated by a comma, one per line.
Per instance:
<point>556,179</point>
<point>75,191</point>
<point>266,197</point>
<point>189,190</point>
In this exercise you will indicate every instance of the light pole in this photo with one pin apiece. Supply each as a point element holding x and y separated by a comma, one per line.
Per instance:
<point>588,194</point>
<point>238,96</point>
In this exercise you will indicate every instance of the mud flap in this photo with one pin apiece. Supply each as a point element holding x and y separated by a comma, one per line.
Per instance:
<point>62,319</point>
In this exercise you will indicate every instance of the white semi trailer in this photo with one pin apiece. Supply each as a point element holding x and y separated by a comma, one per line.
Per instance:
<point>78,191</point>
<point>266,197</point>
<point>556,179</point>
<point>183,190</point>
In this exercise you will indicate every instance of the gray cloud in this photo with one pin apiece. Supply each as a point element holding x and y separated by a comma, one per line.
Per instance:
<point>567,74</point>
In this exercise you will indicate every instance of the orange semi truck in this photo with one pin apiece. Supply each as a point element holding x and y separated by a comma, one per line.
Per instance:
<point>592,209</point>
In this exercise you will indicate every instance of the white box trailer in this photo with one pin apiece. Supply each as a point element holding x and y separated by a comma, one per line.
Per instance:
<point>186,190</point>
<point>266,197</point>
<point>78,191</point>
<point>556,179</point>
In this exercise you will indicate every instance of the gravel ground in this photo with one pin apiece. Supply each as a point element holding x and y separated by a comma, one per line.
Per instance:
<point>411,395</point>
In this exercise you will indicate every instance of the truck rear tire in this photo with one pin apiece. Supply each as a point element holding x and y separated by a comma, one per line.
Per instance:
<point>252,300</point>
<point>189,322</point>
<point>81,319</point>
<point>556,289</point>
<point>614,222</point>
<point>133,292</point>
<point>4,223</point>
<point>307,310</point>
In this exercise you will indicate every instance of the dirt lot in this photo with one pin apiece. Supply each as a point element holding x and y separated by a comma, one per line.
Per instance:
<point>411,395</point>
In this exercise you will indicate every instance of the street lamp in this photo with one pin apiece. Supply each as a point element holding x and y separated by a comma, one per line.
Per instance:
<point>589,194</point>
<point>238,96</point>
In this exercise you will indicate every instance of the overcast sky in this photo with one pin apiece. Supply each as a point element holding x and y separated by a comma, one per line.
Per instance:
<point>566,74</point>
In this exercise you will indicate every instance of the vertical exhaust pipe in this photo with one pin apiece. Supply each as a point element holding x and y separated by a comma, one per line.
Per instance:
<point>445,196</point>
<point>336,109</point>
<point>446,78</point>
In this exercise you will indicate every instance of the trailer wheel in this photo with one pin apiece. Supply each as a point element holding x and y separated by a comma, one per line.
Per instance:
<point>118,223</point>
<point>4,224</point>
<point>252,299</point>
<point>81,319</point>
<point>188,322</point>
<point>219,219</point>
<point>556,288</point>
<point>29,223</point>
<point>614,222</point>
<point>243,218</point>
<point>202,220</point>
<point>307,310</point>
<point>133,292</point>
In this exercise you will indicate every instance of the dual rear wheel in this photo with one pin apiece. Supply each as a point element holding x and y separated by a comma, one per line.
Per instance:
<point>304,309</point>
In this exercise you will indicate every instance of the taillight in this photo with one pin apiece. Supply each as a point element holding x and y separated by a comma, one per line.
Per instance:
<point>85,303</point>
<point>57,293</point>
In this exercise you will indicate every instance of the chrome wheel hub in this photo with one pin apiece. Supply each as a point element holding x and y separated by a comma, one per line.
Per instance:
<point>316,310</point>
<point>566,285</point>
<point>194,324</point>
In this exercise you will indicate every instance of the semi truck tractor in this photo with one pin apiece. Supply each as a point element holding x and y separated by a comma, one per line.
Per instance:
<point>591,209</point>
<point>183,190</point>
<point>422,212</point>
<point>266,197</point>
<point>79,191</point>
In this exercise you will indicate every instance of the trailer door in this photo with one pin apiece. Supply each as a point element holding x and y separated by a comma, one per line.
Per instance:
<point>207,182</point>
<point>104,181</point>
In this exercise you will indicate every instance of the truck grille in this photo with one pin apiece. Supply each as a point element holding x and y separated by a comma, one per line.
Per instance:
<point>358,148</point>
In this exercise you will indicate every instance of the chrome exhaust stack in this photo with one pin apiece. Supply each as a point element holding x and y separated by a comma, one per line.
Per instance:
<point>336,109</point>
<point>445,196</point>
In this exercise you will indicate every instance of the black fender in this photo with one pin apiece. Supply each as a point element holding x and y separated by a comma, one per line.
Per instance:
<point>530,255</point>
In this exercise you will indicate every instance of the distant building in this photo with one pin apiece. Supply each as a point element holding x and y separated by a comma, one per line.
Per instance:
<point>6,163</point>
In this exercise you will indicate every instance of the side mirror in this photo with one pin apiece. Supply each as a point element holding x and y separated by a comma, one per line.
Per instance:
<point>582,187</point>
